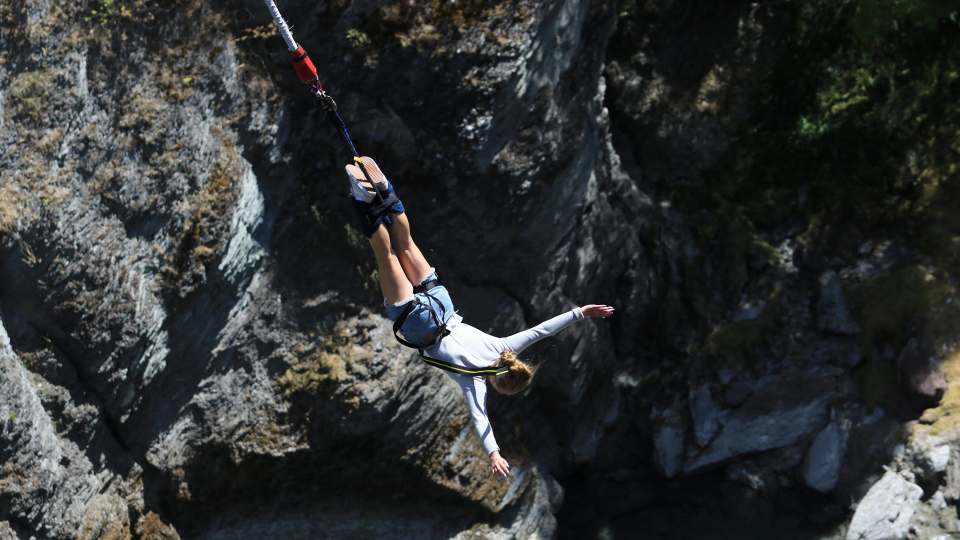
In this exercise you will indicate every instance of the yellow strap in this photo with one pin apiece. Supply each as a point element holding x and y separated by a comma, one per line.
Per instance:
<point>466,371</point>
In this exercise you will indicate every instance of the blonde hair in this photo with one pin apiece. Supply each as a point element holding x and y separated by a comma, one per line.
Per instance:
<point>517,379</point>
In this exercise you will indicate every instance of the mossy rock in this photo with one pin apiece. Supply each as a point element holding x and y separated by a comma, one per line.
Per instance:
<point>318,373</point>
<point>742,344</point>
<point>915,300</point>
<point>944,419</point>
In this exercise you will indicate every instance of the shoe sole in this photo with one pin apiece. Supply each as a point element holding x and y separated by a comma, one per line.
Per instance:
<point>373,172</point>
<point>358,180</point>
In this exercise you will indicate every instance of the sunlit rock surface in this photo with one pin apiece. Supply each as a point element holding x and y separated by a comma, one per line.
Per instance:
<point>192,341</point>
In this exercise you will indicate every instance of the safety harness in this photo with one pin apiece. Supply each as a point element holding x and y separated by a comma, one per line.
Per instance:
<point>422,297</point>
<point>307,73</point>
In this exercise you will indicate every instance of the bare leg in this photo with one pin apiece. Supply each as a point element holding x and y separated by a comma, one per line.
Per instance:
<point>414,264</point>
<point>393,283</point>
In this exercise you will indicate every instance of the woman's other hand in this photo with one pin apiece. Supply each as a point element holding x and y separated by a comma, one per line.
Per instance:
<point>499,465</point>
<point>597,310</point>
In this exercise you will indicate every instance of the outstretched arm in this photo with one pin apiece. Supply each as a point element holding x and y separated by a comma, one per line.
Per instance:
<point>475,393</point>
<point>521,340</point>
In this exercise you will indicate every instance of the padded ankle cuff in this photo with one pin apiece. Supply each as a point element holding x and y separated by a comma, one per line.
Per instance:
<point>371,215</point>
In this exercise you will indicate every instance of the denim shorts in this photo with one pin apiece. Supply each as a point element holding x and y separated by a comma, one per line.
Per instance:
<point>420,326</point>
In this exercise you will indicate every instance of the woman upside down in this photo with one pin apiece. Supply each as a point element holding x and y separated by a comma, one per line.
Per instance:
<point>423,311</point>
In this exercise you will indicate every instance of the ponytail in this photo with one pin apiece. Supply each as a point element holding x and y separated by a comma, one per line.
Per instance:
<point>517,379</point>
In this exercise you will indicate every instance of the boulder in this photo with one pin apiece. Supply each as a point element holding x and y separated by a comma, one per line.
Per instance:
<point>821,466</point>
<point>921,374</point>
<point>668,442</point>
<point>886,510</point>
<point>782,412</point>
<point>706,415</point>
<point>951,484</point>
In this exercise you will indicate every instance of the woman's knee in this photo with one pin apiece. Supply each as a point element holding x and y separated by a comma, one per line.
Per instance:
<point>402,242</point>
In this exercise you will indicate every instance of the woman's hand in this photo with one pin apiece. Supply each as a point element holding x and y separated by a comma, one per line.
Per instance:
<point>597,310</point>
<point>499,465</point>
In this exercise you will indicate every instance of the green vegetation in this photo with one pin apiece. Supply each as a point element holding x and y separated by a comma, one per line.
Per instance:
<point>437,23</point>
<point>893,308</point>
<point>31,95</point>
<point>201,235</point>
<point>864,120</point>
<point>11,207</point>
<point>357,39</point>
<point>741,344</point>
<point>316,373</point>
<point>875,19</point>
<point>107,11</point>
<point>857,134</point>
<point>904,303</point>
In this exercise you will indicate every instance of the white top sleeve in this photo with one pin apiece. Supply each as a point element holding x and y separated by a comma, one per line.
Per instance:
<point>521,340</point>
<point>475,393</point>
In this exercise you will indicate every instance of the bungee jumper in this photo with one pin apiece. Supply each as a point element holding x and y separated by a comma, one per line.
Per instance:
<point>416,301</point>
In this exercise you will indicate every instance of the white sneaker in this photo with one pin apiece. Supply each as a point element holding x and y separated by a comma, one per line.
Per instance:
<point>373,171</point>
<point>360,189</point>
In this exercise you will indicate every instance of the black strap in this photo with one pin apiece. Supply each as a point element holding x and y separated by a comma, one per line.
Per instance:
<point>427,285</point>
<point>439,322</point>
<point>442,332</point>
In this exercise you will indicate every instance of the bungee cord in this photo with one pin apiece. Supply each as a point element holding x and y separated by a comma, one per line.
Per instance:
<point>307,73</point>
<point>282,26</point>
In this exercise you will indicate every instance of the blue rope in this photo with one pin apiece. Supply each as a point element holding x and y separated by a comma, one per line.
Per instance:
<point>342,127</point>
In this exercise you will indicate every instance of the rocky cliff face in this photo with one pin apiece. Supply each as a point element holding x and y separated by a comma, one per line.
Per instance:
<point>191,343</point>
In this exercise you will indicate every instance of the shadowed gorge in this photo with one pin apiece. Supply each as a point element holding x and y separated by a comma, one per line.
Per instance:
<point>192,337</point>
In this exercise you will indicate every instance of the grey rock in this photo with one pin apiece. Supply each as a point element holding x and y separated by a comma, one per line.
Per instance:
<point>938,501</point>
<point>196,315</point>
<point>921,373</point>
<point>49,483</point>
<point>838,351</point>
<point>668,442</point>
<point>833,313</point>
<point>202,289</point>
<point>735,393</point>
<point>781,413</point>
<point>937,459</point>
<point>767,472</point>
<point>821,466</point>
<point>951,482</point>
<point>885,512</point>
<point>706,415</point>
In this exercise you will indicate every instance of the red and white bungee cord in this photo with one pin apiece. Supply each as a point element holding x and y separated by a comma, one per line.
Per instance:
<point>307,73</point>
<point>281,26</point>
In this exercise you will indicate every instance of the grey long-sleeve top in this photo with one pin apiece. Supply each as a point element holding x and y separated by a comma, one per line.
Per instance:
<point>469,347</point>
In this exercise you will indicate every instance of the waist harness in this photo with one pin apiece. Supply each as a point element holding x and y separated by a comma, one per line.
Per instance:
<point>440,333</point>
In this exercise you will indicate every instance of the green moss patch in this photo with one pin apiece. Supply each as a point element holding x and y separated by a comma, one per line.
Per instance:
<point>201,236</point>
<point>317,373</point>
<point>909,302</point>
<point>743,344</point>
